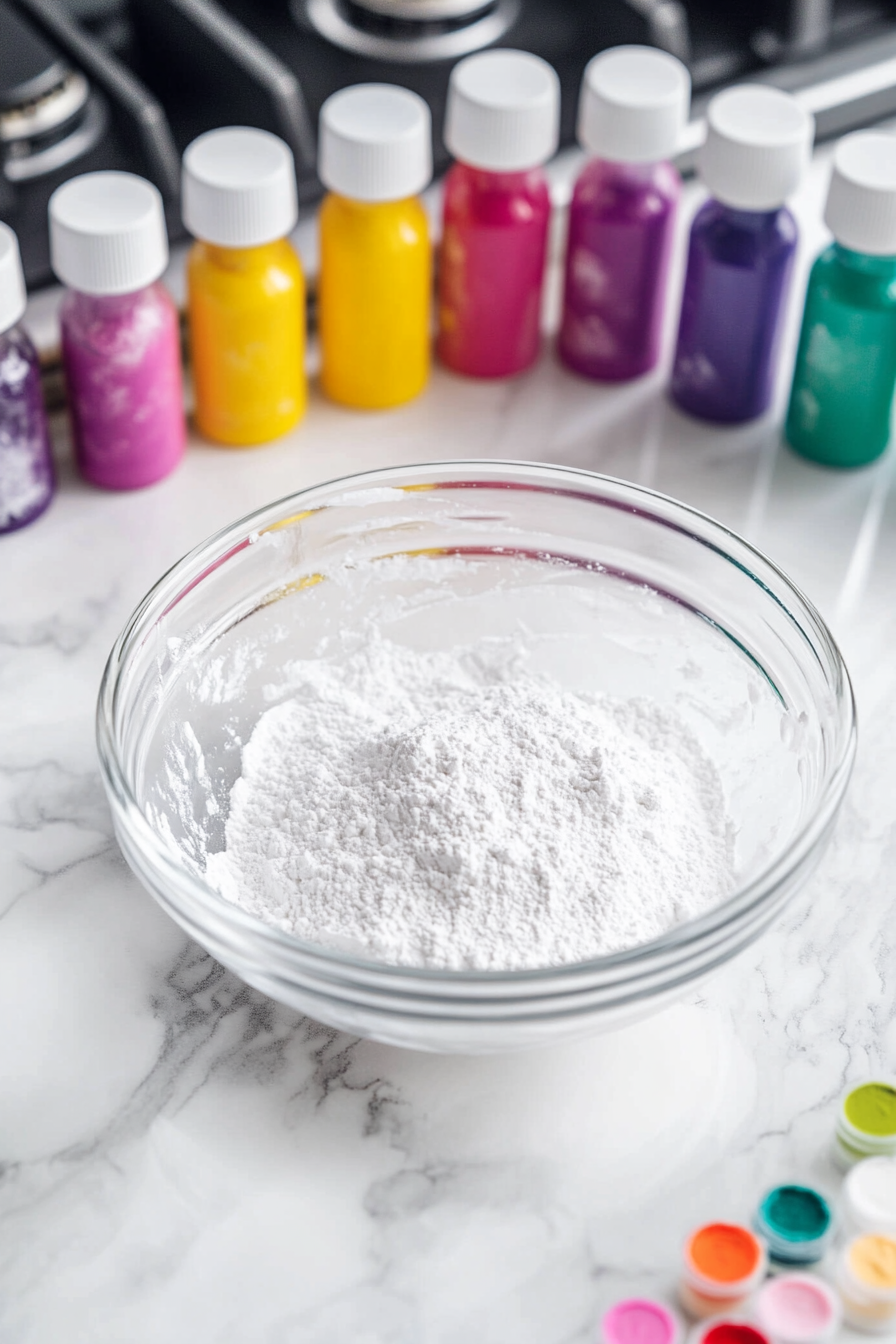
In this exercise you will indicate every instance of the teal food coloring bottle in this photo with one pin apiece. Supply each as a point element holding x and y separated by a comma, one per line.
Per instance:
<point>845,371</point>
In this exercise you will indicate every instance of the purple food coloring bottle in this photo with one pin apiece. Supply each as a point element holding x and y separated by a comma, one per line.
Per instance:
<point>740,255</point>
<point>632,108</point>
<point>120,329</point>
<point>26,465</point>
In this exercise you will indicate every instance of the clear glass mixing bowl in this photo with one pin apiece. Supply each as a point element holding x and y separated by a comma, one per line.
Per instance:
<point>613,588</point>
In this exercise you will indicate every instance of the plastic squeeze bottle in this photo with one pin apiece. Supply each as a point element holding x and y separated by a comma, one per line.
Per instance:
<point>245,288</point>
<point>501,124</point>
<point>26,465</point>
<point>846,362</point>
<point>120,329</point>
<point>632,108</point>
<point>375,285</point>
<point>740,257</point>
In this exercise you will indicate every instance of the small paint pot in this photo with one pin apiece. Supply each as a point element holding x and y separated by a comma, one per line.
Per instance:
<point>637,1320</point>
<point>866,1278</point>
<point>866,1125</point>
<point>869,1193</point>
<point>724,1263</point>
<point>798,1309</point>
<point>730,1332</point>
<point>796,1224</point>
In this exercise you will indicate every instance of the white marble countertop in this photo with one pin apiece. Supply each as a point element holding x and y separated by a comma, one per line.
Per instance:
<point>185,1161</point>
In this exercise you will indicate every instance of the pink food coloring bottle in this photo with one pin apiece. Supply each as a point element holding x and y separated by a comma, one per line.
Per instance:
<point>120,329</point>
<point>501,125</point>
<point>632,109</point>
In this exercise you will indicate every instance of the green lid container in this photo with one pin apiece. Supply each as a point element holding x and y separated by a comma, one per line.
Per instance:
<point>796,1223</point>
<point>866,1125</point>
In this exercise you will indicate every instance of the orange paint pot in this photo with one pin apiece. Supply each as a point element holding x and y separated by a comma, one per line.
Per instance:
<point>724,1263</point>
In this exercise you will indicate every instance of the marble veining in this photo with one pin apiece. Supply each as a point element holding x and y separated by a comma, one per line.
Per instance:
<point>184,1160</point>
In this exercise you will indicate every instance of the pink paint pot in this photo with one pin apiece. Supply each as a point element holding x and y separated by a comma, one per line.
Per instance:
<point>798,1309</point>
<point>637,1320</point>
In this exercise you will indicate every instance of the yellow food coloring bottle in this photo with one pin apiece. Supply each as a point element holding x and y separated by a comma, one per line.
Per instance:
<point>245,288</point>
<point>375,284</point>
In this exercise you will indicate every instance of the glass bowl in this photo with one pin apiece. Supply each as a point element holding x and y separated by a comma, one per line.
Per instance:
<point>616,588</point>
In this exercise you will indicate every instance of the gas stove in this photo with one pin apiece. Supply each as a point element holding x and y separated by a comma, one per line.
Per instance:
<point>88,84</point>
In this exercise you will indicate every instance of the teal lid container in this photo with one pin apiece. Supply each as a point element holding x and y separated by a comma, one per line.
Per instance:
<point>797,1223</point>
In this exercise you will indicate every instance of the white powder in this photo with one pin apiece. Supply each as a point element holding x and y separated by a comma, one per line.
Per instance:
<point>442,810</point>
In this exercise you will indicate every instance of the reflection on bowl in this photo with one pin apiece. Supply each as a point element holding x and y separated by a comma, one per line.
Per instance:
<point>620,590</point>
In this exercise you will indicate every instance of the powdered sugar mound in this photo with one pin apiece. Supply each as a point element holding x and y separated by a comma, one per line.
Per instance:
<point>430,810</point>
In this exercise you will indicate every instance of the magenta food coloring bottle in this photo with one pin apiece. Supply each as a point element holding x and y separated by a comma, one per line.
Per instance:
<point>632,108</point>
<point>120,330</point>
<point>501,124</point>
<point>740,256</point>
<point>26,464</point>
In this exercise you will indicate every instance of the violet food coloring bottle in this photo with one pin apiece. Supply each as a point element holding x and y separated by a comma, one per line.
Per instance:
<point>740,256</point>
<point>632,108</point>
<point>501,124</point>
<point>27,479</point>
<point>120,329</point>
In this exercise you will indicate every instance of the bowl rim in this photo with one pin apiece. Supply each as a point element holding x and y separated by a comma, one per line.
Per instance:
<point>742,904</point>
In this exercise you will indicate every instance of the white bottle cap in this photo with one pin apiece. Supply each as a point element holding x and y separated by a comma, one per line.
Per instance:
<point>633,105</point>
<point>107,233</point>
<point>758,145</point>
<point>12,282</point>
<point>375,143</point>
<point>861,205</point>
<point>239,187</point>
<point>503,111</point>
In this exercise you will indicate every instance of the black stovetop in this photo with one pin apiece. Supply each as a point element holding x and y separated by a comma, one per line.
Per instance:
<point>86,84</point>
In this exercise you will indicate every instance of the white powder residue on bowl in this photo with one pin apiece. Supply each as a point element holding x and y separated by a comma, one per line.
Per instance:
<point>432,810</point>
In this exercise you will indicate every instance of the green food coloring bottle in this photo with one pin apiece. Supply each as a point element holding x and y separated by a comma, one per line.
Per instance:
<point>845,375</point>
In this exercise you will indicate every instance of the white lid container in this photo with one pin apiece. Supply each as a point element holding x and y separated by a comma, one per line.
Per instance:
<point>633,105</point>
<point>503,111</point>
<point>869,1193</point>
<point>375,143</point>
<point>861,205</point>
<point>12,281</point>
<point>758,145</point>
<point>239,187</point>
<point>107,233</point>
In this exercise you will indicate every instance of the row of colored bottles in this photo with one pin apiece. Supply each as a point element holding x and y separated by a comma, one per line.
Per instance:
<point>246,298</point>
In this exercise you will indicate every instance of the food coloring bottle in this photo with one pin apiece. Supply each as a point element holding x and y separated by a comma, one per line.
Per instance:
<point>501,124</point>
<point>846,362</point>
<point>120,329</point>
<point>245,288</point>
<point>375,285</point>
<point>632,108</point>
<point>26,464</point>
<point>740,257</point>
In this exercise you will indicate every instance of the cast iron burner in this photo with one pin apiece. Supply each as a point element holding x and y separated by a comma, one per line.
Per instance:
<point>409,30</point>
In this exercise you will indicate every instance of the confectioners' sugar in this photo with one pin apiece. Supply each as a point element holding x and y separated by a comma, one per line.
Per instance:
<point>444,810</point>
